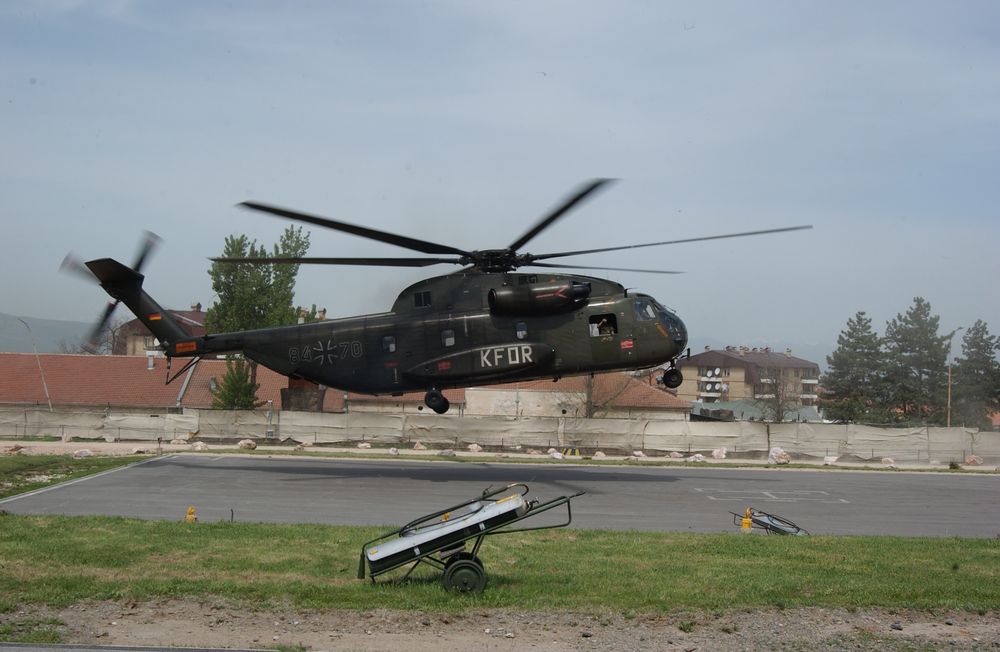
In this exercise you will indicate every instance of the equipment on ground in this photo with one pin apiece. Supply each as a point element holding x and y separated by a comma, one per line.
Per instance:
<point>439,539</point>
<point>770,523</point>
<point>483,324</point>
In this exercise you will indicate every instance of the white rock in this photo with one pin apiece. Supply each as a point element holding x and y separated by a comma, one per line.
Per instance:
<point>138,451</point>
<point>719,453</point>
<point>394,451</point>
<point>202,446</point>
<point>447,453</point>
<point>300,447</point>
<point>178,441</point>
<point>306,444</point>
<point>830,459</point>
<point>83,452</point>
<point>631,458</point>
<point>638,454</point>
<point>417,446</point>
<point>532,451</point>
<point>248,444</point>
<point>973,460</point>
<point>697,457</point>
<point>675,455</point>
<point>364,444</point>
<point>598,455</point>
<point>888,460</point>
<point>550,451</point>
<point>556,455</point>
<point>777,456</point>
<point>475,448</point>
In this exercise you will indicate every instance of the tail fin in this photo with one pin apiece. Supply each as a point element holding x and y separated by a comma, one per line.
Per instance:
<point>125,285</point>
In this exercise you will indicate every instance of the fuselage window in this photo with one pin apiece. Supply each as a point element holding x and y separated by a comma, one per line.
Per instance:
<point>448,338</point>
<point>389,344</point>
<point>422,299</point>
<point>603,325</point>
<point>521,330</point>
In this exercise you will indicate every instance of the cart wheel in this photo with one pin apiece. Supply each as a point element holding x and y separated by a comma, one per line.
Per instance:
<point>464,576</point>
<point>464,555</point>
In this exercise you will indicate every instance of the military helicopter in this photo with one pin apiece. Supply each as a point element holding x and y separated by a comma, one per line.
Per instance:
<point>486,323</point>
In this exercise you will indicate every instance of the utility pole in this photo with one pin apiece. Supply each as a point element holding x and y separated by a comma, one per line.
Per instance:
<point>38,360</point>
<point>950,338</point>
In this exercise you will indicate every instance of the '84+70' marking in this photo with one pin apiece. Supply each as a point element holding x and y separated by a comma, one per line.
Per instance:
<point>326,352</point>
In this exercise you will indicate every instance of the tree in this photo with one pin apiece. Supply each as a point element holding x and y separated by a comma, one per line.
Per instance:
<point>777,394</point>
<point>976,378</point>
<point>916,370</point>
<point>236,391</point>
<point>853,385</point>
<point>255,296</point>
<point>251,296</point>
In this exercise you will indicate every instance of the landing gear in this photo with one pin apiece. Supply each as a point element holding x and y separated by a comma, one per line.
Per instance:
<point>672,378</point>
<point>436,401</point>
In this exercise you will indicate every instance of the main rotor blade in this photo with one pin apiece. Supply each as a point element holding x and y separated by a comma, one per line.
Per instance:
<point>559,211</point>
<point>668,242</point>
<point>610,269</point>
<point>384,262</point>
<point>372,234</point>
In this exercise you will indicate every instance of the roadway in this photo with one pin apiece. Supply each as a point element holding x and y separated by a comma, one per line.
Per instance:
<point>379,492</point>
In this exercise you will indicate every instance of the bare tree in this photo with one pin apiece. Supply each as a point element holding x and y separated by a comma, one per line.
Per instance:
<point>777,393</point>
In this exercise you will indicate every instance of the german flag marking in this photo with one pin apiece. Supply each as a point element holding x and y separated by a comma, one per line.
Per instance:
<point>186,347</point>
<point>155,317</point>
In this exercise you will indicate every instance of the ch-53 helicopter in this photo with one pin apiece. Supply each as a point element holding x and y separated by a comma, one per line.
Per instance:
<point>486,323</point>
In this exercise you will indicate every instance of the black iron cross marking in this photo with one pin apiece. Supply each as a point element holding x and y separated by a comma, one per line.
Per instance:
<point>325,354</point>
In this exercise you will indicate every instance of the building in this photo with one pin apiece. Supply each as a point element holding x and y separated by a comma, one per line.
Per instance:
<point>738,373</point>
<point>133,338</point>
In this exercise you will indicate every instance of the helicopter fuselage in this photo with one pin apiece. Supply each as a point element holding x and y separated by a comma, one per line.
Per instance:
<point>468,329</point>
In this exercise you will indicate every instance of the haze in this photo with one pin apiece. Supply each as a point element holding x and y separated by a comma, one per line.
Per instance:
<point>462,122</point>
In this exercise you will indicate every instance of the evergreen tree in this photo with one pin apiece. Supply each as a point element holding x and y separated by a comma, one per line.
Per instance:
<point>236,391</point>
<point>853,387</point>
<point>252,296</point>
<point>916,371</point>
<point>976,378</point>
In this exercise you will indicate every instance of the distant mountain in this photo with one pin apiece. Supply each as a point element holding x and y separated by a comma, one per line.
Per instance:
<point>49,334</point>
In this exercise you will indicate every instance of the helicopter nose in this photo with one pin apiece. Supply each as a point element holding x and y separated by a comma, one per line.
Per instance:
<point>677,329</point>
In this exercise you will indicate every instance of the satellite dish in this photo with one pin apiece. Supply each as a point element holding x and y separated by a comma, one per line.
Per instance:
<point>718,386</point>
<point>709,373</point>
<point>718,371</point>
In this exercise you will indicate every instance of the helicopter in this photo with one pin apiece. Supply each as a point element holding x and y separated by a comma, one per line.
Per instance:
<point>486,323</point>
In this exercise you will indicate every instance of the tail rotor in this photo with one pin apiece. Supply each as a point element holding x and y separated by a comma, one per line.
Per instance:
<point>72,265</point>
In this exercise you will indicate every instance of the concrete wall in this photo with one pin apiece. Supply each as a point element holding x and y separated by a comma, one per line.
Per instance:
<point>655,436</point>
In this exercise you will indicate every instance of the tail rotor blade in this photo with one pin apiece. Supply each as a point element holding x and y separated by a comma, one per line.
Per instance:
<point>149,242</point>
<point>72,265</point>
<point>91,345</point>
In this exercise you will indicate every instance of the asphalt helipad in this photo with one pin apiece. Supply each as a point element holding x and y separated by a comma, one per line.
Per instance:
<point>379,492</point>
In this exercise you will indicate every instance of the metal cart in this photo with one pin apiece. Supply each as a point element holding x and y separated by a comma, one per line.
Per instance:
<point>439,539</point>
<point>770,523</point>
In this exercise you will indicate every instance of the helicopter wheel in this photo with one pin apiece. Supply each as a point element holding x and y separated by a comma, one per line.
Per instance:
<point>436,401</point>
<point>672,378</point>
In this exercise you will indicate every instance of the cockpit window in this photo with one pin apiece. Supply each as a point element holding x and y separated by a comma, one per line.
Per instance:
<point>644,310</point>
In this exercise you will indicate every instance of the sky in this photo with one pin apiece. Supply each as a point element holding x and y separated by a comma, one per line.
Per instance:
<point>464,122</point>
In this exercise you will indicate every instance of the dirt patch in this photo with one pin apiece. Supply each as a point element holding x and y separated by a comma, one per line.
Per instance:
<point>218,623</point>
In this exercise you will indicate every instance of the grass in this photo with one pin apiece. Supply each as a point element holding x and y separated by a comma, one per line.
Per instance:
<point>21,473</point>
<point>63,560</point>
<point>31,631</point>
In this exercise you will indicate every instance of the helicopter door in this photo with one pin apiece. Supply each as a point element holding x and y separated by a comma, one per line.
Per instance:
<point>604,339</point>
